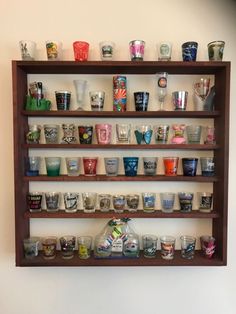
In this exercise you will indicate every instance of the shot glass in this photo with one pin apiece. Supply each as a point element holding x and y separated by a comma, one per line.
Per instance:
<point>189,166</point>
<point>31,247</point>
<point>143,134</point>
<point>150,165</point>
<point>171,165</point>
<point>132,201</point>
<point>179,100</point>
<point>207,166</point>
<point>111,166</point>
<point>136,48</point>
<point>164,50</point>
<point>51,132</point>
<point>71,200</point>
<point>216,50</point>
<point>149,245</point>
<point>52,201</point>
<point>27,49</point>
<point>97,99</point>
<point>53,49</point>
<point>141,101</point>
<point>33,134</point>
<point>84,247</point>
<point>103,133</point>
<point>85,134</point>
<point>34,201</point>
<point>194,134</point>
<point>118,201</point>
<point>81,50</point>
<point>130,166</point>
<point>205,201</point>
<point>90,166</point>
<point>49,246</point>
<point>63,99</point>
<point>73,166</point>
<point>89,201</point>
<point>185,201</point>
<point>189,51</point>
<point>104,202</point>
<point>187,246</point>
<point>123,133</point>
<point>161,134</point>
<point>210,135</point>
<point>167,247</point>
<point>32,166</point>
<point>69,136</point>
<point>67,246</point>
<point>53,165</point>
<point>149,200</point>
<point>208,245</point>
<point>167,202</point>
<point>106,50</point>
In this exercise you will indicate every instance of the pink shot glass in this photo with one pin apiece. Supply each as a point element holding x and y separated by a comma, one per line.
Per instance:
<point>103,132</point>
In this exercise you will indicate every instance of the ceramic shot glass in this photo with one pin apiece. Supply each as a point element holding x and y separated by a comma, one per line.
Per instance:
<point>32,166</point>
<point>103,133</point>
<point>141,101</point>
<point>149,245</point>
<point>150,165</point>
<point>205,201</point>
<point>71,201</point>
<point>189,166</point>
<point>149,200</point>
<point>123,133</point>
<point>51,132</point>
<point>33,134</point>
<point>167,247</point>
<point>187,246</point>
<point>67,246</point>
<point>85,134</point>
<point>194,134</point>
<point>164,50</point>
<point>97,99</point>
<point>207,166</point>
<point>81,50</point>
<point>63,99</point>
<point>111,166</point>
<point>131,166</point>
<point>185,201</point>
<point>49,246</point>
<point>31,247</point>
<point>89,202</point>
<point>106,50</point>
<point>189,51</point>
<point>167,202</point>
<point>132,201</point>
<point>179,100</point>
<point>171,165</point>
<point>73,166</point>
<point>136,48</point>
<point>27,49</point>
<point>84,247</point>
<point>104,202</point>
<point>53,165</point>
<point>52,200</point>
<point>90,166</point>
<point>161,133</point>
<point>216,50</point>
<point>53,50</point>
<point>119,203</point>
<point>34,201</point>
<point>208,246</point>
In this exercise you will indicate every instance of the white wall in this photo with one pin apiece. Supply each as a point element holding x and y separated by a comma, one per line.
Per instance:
<point>104,290</point>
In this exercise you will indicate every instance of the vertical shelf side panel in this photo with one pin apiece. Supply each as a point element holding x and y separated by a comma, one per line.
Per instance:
<point>20,124</point>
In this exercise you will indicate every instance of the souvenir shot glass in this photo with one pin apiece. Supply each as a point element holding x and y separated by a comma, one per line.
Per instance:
<point>149,200</point>
<point>164,50</point>
<point>189,51</point>
<point>194,134</point>
<point>107,50</point>
<point>123,133</point>
<point>27,49</point>
<point>187,246</point>
<point>52,201</point>
<point>143,134</point>
<point>216,50</point>
<point>149,245</point>
<point>89,202</point>
<point>131,166</point>
<point>205,201</point>
<point>97,99</point>
<point>119,202</point>
<point>103,133</point>
<point>150,165</point>
<point>185,201</point>
<point>84,247</point>
<point>81,50</point>
<point>67,246</point>
<point>171,165</point>
<point>32,166</point>
<point>71,200</point>
<point>210,135</point>
<point>207,166</point>
<point>73,166</point>
<point>141,101</point>
<point>49,246</point>
<point>136,48</point>
<point>179,99</point>
<point>167,202</point>
<point>63,100</point>
<point>34,201</point>
<point>132,201</point>
<point>161,134</point>
<point>53,165</point>
<point>90,166</point>
<point>208,246</point>
<point>53,49</point>
<point>111,166</point>
<point>31,247</point>
<point>189,166</point>
<point>167,247</point>
<point>68,134</point>
<point>33,134</point>
<point>104,202</point>
<point>51,132</point>
<point>85,134</point>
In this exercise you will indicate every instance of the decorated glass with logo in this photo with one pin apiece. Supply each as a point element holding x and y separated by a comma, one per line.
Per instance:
<point>161,88</point>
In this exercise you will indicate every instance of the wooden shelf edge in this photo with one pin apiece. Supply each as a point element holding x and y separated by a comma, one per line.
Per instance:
<point>198,260</point>
<point>126,214</point>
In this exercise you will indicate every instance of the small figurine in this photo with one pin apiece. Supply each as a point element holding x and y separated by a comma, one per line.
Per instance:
<point>178,137</point>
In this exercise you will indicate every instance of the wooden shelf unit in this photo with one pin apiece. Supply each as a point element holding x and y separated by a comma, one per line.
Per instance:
<point>221,72</point>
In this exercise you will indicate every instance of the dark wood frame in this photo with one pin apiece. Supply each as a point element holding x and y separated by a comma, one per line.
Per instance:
<point>221,71</point>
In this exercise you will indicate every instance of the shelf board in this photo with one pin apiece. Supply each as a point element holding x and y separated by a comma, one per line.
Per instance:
<point>127,114</point>
<point>198,260</point>
<point>119,67</point>
<point>102,177</point>
<point>125,146</point>
<point>126,214</point>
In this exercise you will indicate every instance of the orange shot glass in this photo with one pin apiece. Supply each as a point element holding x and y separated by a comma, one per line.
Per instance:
<point>171,165</point>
